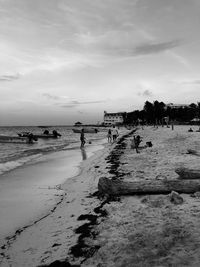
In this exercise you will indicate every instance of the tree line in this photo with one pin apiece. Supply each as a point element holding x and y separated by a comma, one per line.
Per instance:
<point>154,113</point>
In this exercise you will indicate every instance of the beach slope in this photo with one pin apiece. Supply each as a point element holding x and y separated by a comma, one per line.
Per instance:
<point>88,229</point>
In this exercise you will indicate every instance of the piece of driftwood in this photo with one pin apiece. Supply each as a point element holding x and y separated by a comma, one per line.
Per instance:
<point>193,152</point>
<point>186,173</point>
<point>118,187</point>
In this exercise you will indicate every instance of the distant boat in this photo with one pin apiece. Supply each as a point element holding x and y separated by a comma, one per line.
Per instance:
<point>43,127</point>
<point>86,130</point>
<point>16,139</point>
<point>78,123</point>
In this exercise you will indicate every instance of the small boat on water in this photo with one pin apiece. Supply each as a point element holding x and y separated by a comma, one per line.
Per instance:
<point>45,135</point>
<point>43,127</point>
<point>16,139</point>
<point>86,130</point>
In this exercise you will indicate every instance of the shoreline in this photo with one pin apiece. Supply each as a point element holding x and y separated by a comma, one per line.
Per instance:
<point>15,163</point>
<point>88,229</point>
<point>68,198</point>
<point>52,193</point>
<point>78,202</point>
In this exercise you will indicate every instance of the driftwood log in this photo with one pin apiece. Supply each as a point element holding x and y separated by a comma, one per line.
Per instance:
<point>193,152</point>
<point>117,187</point>
<point>186,173</point>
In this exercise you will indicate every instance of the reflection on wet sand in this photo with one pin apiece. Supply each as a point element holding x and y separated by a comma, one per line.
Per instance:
<point>83,153</point>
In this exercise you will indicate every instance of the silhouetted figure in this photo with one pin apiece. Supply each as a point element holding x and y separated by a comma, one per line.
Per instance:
<point>31,138</point>
<point>114,133</point>
<point>55,133</point>
<point>46,132</point>
<point>137,141</point>
<point>109,135</point>
<point>82,138</point>
<point>149,144</point>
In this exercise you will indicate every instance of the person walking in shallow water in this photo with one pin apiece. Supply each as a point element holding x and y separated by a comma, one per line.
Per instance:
<point>82,138</point>
<point>109,135</point>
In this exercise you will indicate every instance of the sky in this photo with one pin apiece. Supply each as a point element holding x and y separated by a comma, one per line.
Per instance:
<point>64,61</point>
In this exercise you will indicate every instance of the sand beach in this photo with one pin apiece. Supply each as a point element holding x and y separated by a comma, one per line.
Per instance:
<point>88,229</point>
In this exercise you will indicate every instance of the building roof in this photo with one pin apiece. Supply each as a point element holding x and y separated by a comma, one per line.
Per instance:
<point>177,105</point>
<point>114,114</point>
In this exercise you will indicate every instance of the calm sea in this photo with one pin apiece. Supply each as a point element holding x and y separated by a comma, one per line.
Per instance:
<point>15,155</point>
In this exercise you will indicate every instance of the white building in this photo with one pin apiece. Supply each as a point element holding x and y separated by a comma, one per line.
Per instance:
<point>114,118</point>
<point>172,105</point>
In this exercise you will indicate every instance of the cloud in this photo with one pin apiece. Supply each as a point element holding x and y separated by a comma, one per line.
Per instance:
<point>9,78</point>
<point>75,103</point>
<point>127,48</point>
<point>132,41</point>
<point>51,97</point>
<point>66,102</point>
<point>146,93</point>
<point>153,48</point>
<point>194,82</point>
<point>182,60</point>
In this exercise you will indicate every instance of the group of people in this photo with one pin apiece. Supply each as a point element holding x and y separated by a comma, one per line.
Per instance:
<point>136,143</point>
<point>54,132</point>
<point>112,135</point>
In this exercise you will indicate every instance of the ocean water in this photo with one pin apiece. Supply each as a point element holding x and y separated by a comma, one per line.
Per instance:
<point>15,155</point>
<point>32,175</point>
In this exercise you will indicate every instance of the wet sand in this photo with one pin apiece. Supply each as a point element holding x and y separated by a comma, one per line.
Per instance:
<point>52,237</point>
<point>29,192</point>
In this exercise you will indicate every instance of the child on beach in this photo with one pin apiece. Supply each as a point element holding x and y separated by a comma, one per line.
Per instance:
<point>137,140</point>
<point>82,138</point>
<point>109,135</point>
<point>114,133</point>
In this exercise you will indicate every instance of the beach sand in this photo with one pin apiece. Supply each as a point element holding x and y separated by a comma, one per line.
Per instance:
<point>29,191</point>
<point>87,230</point>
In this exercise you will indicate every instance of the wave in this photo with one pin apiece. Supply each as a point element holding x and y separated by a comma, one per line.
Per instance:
<point>13,156</point>
<point>29,152</point>
<point>10,165</point>
<point>17,160</point>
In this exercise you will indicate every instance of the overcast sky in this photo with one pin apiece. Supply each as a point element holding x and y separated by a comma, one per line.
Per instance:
<point>64,61</point>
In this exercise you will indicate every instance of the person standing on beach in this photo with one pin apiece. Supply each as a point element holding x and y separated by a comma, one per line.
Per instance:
<point>109,136</point>
<point>30,138</point>
<point>114,133</point>
<point>137,140</point>
<point>82,138</point>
